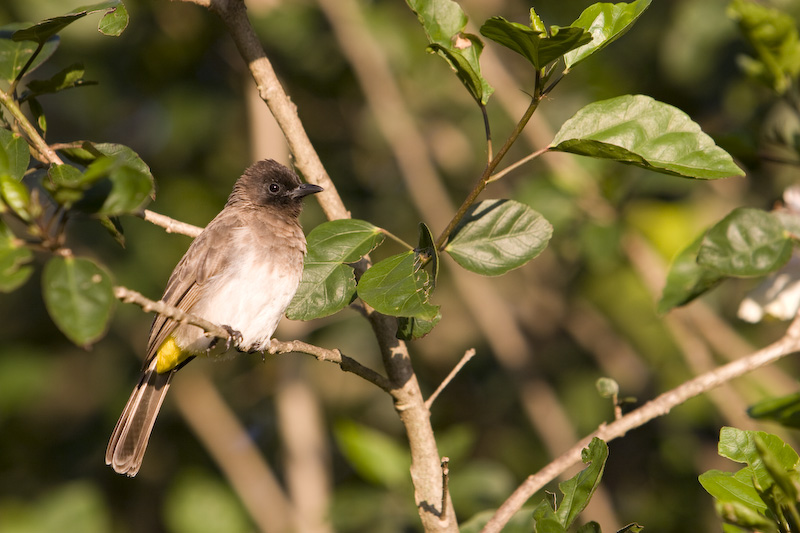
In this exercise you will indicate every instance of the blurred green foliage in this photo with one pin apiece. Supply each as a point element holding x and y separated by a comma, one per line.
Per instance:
<point>173,88</point>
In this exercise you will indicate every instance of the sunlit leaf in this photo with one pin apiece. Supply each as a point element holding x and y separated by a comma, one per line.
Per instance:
<point>343,241</point>
<point>496,236</point>
<point>606,23</point>
<point>536,46</point>
<point>444,22</point>
<point>579,489</point>
<point>42,31</point>
<point>775,38</point>
<point>397,286</point>
<point>638,130</point>
<point>326,287</point>
<point>328,284</point>
<point>70,77</point>
<point>545,519</point>
<point>79,297</point>
<point>747,242</point>
<point>114,21</point>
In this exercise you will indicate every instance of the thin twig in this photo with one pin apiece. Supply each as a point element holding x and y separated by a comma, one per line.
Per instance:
<point>487,173</point>
<point>659,406</point>
<point>529,157</point>
<point>347,364</point>
<point>130,296</point>
<point>35,139</point>
<point>170,224</point>
<point>469,354</point>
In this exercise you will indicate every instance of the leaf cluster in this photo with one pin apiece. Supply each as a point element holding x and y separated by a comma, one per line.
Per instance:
<point>765,494</point>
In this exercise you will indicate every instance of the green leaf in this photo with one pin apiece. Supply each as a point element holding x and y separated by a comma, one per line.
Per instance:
<point>736,488</point>
<point>14,259</point>
<point>38,113</point>
<point>687,279</point>
<point>579,489</point>
<point>743,516</point>
<point>784,410</point>
<point>640,131</point>
<point>70,77</point>
<point>774,37</point>
<point>606,23</point>
<point>65,184</point>
<point>326,288</point>
<point>496,236</point>
<point>545,520</point>
<point>631,528</point>
<point>740,446</point>
<point>114,21</point>
<point>444,23</point>
<point>375,456</point>
<point>786,478</point>
<point>16,196</point>
<point>343,241</point>
<point>14,155</point>
<point>15,55</point>
<point>114,228</point>
<point>398,286</point>
<point>747,242</point>
<point>44,30</point>
<point>536,46</point>
<point>607,387</point>
<point>590,527</point>
<point>426,248</point>
<point>410,328</point>
<point>122,182</point>
<point>328,285</point>
<point>79,297</point>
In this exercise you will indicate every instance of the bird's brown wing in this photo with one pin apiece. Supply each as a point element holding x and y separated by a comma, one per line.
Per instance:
<point>203,260</point>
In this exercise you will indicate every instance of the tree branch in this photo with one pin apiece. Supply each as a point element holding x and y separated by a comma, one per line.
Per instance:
<point>659,406</point>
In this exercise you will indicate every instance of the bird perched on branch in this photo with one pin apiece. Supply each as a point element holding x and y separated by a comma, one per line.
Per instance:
<point>241,272</point>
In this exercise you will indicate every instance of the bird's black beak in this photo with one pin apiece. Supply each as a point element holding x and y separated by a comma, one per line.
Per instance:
<point>304,189</point>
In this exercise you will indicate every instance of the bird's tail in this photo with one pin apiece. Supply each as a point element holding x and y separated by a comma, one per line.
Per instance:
<point>129,440</point>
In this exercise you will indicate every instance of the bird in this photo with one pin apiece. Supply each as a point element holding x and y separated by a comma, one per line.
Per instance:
<point>241,272</point>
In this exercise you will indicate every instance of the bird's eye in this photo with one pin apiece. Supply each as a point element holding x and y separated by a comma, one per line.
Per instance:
<point>274,188</point>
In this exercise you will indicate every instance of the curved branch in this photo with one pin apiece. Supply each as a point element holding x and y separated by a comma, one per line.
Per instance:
<point>659,406</point>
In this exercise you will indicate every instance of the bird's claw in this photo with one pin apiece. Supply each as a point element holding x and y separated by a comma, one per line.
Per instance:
<point>234,338</point>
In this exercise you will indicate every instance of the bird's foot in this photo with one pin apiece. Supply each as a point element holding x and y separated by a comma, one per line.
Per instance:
<point>234,338</point>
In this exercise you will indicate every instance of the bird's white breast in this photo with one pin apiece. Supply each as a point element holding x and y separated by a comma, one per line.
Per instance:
<point>252,292</point>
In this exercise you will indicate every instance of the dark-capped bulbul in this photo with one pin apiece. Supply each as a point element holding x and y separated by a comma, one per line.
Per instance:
<point>241,272</point>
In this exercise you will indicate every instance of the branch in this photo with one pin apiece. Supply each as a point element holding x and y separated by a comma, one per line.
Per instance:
<point>456,369</point>
<point>39,144</point>
<point>170,224</point>
<point>129,296</point>
<point>659,406</point>
<point>487,173</point>
<point>347,364</point>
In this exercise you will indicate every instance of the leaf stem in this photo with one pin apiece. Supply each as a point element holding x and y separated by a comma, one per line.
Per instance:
<point>487,173</point>
<point>529,157</point>
<point>396,238</point>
